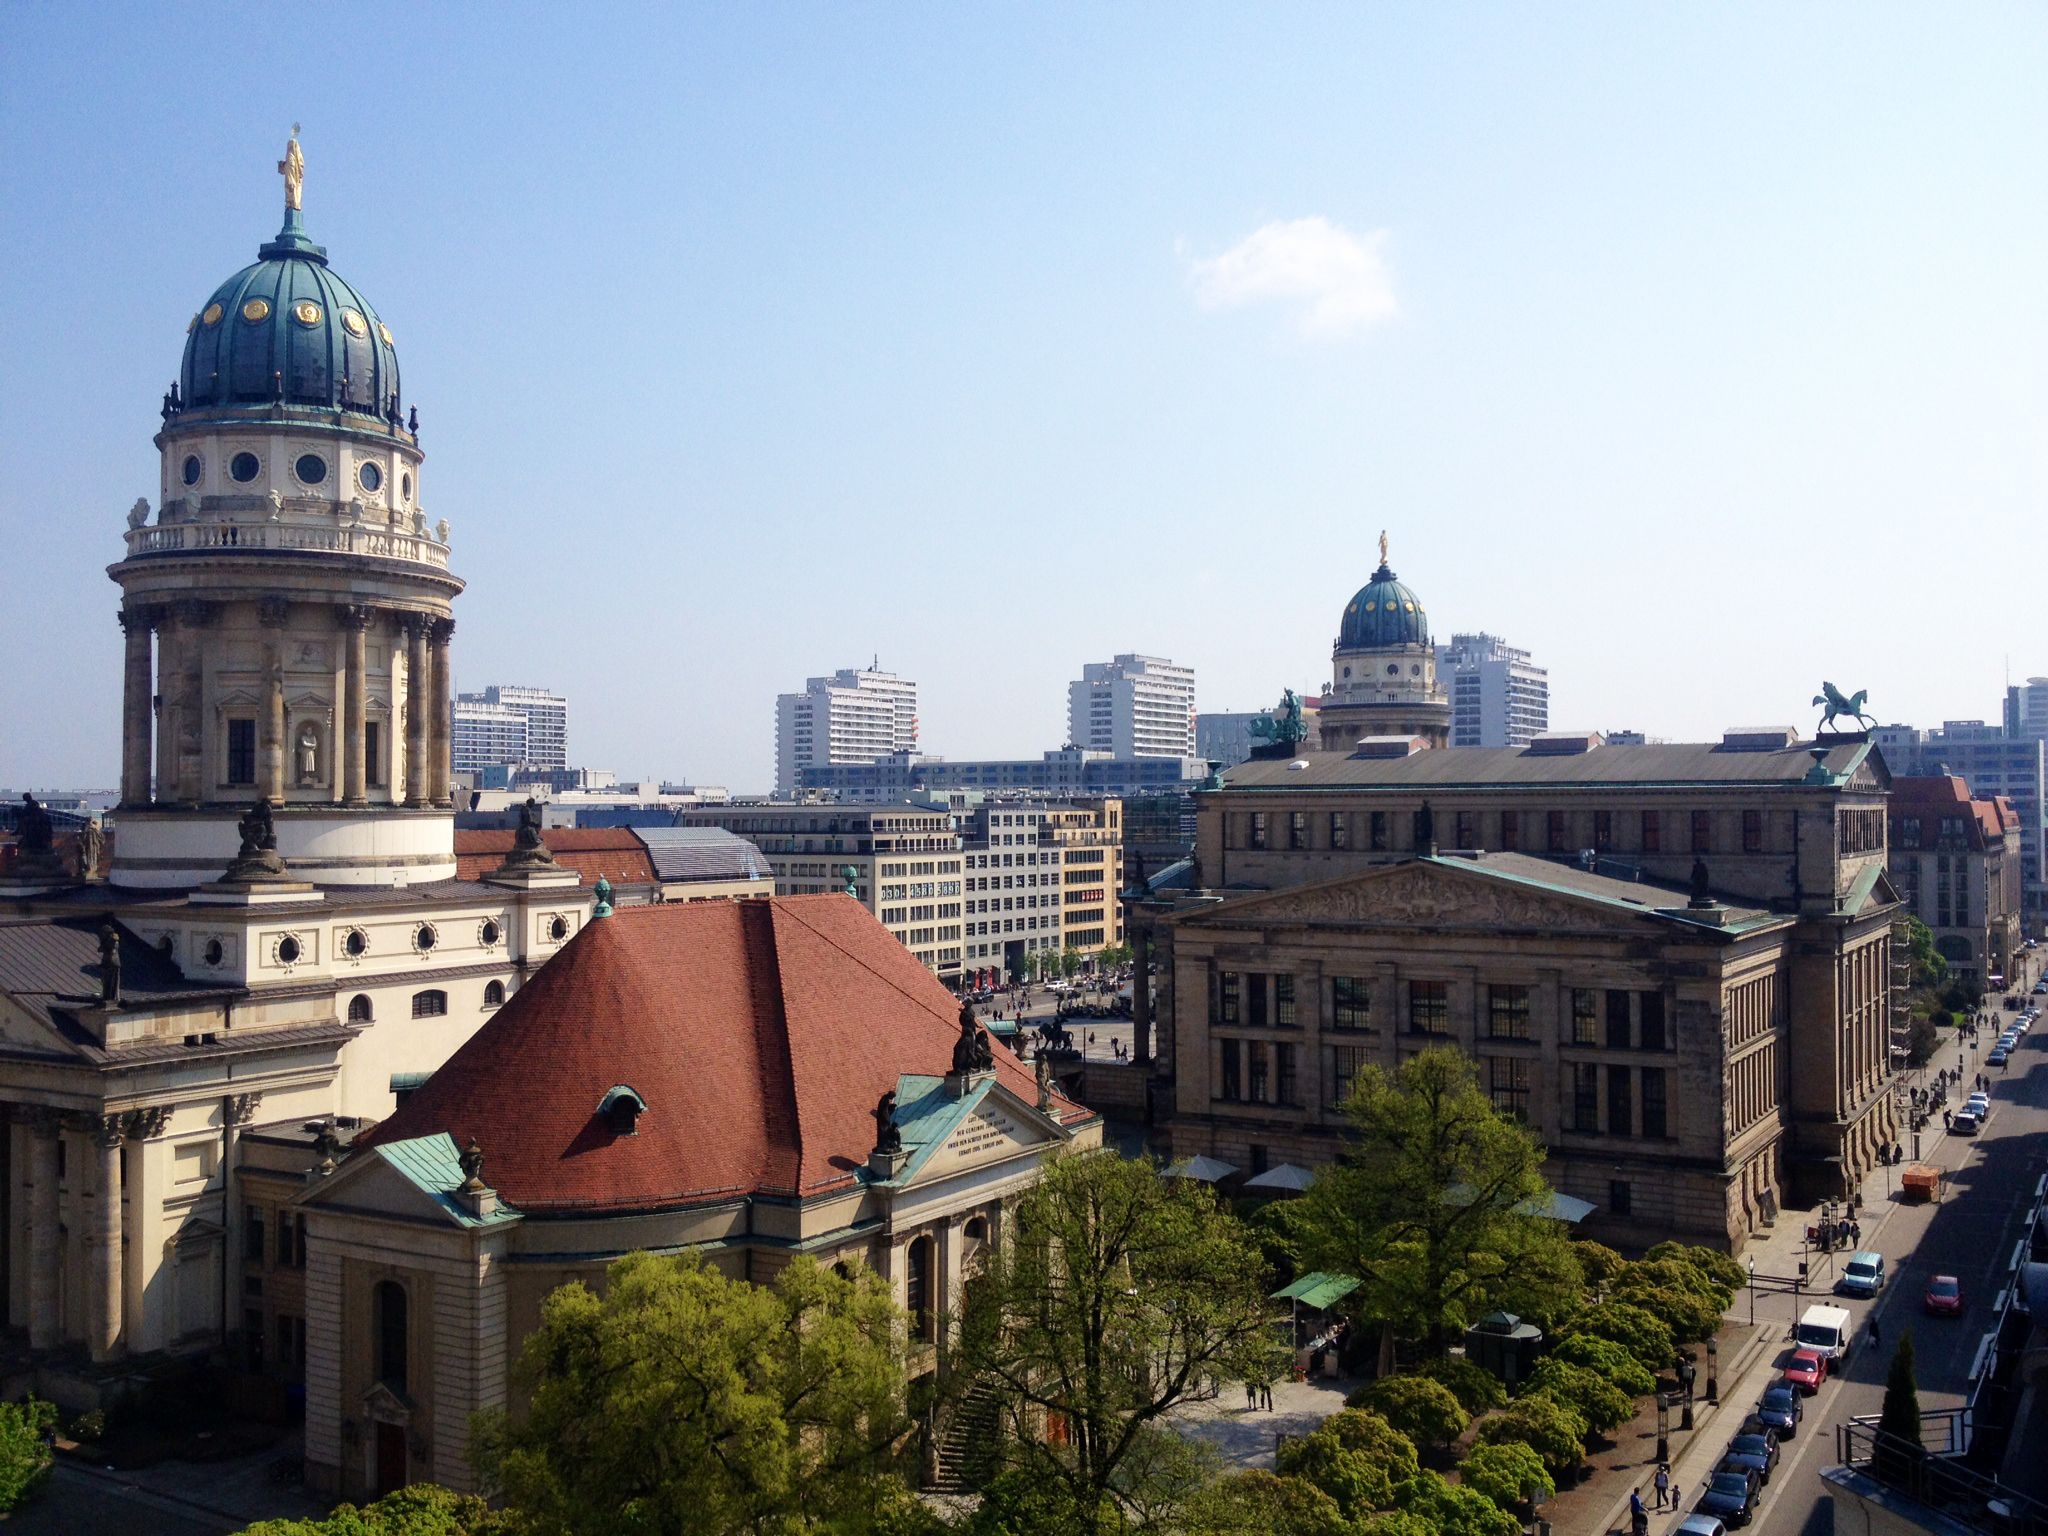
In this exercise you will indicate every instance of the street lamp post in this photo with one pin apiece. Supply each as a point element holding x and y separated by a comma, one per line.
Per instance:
<point>1752,1291</point>
<point>1663,1427</point>
<point>1714,1365</point>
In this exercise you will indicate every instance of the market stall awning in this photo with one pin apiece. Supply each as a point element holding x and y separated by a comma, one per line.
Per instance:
<point>1287,1176</point>
<point>1204,1170</point>
<point>1318,1291</point>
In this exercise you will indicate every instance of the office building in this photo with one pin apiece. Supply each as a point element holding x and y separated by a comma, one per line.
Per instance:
<point>1955,861</point>
<point>1041,878</point>
<point>1133,706</point>
<point>488,738</point>
<point>1992,763</point>
<point>1499,698</point>
<point>1071,773</point>
<point>854,716</point>
<point>547,724</point>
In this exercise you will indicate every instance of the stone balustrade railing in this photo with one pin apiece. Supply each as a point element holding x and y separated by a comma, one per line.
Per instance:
<point>379,543</point>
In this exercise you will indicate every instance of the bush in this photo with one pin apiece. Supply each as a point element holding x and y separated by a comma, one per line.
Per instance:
<point>1426,1411</point>
<point>1356,1457</point>
<point>1475,1387</point>
<point>24,1448</point>
<point>1643,1335</point>
<point>1599,1402</point>
<point>90,1426</point>
<point>1607,1359</point>
<point>1554,1430</point>
<point>1505,1472</point>
<point>1448,1509</point>
<point>1261,1504</point>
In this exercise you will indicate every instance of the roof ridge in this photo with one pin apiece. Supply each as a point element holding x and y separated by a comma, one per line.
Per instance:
<point>778,1067</point>
<point>787,905</point>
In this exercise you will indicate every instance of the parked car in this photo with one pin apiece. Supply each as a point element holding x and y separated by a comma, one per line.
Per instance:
<point>1998,1057</point>
<point>1731,1496</point>
<point>1944,1296</point>
<point>1779,1409</point>
<point>1967,1122</point>
<point>1752,1452</point>
<point>1699,1525</point>
<point>1806,1370</point>
<point>1979,1101</point>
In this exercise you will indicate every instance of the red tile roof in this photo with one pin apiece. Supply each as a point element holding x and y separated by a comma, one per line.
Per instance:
<point>1925,797</point>
<point>613,852</point>
<point>760,1034</point>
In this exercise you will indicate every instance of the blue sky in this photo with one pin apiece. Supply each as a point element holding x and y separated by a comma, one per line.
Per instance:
<point>1703,351</point>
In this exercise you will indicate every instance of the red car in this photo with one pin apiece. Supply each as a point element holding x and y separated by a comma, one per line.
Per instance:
<point>1807,1369</point>
<point>1945,1296</point>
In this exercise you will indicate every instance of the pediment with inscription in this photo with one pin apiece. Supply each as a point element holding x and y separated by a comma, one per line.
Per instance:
<point>994,1129</point>
<point>1425,896</point>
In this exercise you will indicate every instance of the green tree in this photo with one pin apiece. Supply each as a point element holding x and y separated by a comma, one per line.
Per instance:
<point>1642,1334</point>
<point>1424,1410</point>
<point>24,1448</point>
<point>1898,1420</point>
<point>1930,968</point>
<point>1598,1262</point>
<point>1598,1401</point>
<point>1717,1267</point>
<point>1263,1504</point>
<point>1506,1472</point>
<point>1428,1204</point>
<point>1554,1430</point>
<point>682,1400</point>
<point>1354,1456</point>
<point>1027,965</point>
<point>1119,1296</point>
<point>1609,1359</point>
<point>1396,1522</point>
<point>422,1509</point>
<point>1070,961</point>
<point>1676,1293</point>
<point>1475,1387</point>
<point>1451,1509</point>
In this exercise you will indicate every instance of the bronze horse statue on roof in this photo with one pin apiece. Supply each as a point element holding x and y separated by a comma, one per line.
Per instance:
<point>1840,705</point>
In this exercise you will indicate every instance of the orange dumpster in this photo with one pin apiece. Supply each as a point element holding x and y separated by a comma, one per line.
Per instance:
<point>1921,1182</point>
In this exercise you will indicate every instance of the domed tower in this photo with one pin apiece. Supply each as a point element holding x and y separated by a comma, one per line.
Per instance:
<point>1384,669</point>
<point>298,598</point>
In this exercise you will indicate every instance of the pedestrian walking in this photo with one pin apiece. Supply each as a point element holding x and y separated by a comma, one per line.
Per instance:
<point>1663,1483</point>
<point>1944,1120</point>
<point>1638,1516</point>
<point>1266,1393</point>
<point>1876,1334</point>
<point>1251,1397</point>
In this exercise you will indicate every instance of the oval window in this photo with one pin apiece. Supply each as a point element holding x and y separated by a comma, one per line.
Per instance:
<point>405,486</point>
<point>1393,669</point>
<point>311,468</point>
<point>288,950</point>
<point>558,930</point>
<point>490,933</point>
<point>213,952</point>
<point>426,937</point>
<point>356,943</point>
<point>370,477</point>
<point>192,469</point>
<point>245,467</point>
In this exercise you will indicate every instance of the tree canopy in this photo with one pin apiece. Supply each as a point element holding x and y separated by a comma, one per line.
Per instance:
<point>423,1509</point>
<point>24,1454</point>
<point>1354,1456</point>
<point>682,1400</point>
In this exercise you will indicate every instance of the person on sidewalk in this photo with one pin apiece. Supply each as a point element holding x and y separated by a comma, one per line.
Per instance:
<point>1663,1484</point>
<point>1266,1395</point>
<point>1876,1334</point>
<point>1638,1516</point>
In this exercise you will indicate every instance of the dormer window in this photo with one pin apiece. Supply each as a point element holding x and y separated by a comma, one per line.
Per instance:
<point>621,1109</point>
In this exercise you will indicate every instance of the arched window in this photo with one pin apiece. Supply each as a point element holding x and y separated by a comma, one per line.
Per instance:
<point>429,1005</point>
<point>359,1009</point>
<point>918,1289</point>
<point>494,993</point>
<point>389,1324</point>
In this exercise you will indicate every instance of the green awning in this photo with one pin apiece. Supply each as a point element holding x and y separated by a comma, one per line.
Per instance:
<point>1318,1292</point>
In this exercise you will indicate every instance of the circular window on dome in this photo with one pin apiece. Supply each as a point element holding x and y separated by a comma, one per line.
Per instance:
<point>425,938</point>
<point>245,467</point>
<point>213,952</point>
<point>1347,671</point>
<point>287,950</point>
<point>405,486</point>
<point>1393,669</point>
<point>212,315</point>
<point>193,469</point>
<point>256,309</point>
<point>370,477</point>
<point>355,943</point>
<point>558,930</point>
<point>306,312</point>
<point>1415,670</point>
<point>311,468</point>
<point>353,319</point>
<point>385,331</point>
<point>488,934</point>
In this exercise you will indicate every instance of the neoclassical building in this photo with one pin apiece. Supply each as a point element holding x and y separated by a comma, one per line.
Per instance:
<point>279,939</point>
<point>1383,669</point>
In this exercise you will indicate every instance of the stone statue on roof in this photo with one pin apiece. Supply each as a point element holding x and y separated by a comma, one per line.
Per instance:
<point>888,1139</point>
<point>1042,1068</point>
<point>1702,884</point>
<point>32,827</point>
<point>91,843</point>
<point>110,962</point>
<point>971,1052</point>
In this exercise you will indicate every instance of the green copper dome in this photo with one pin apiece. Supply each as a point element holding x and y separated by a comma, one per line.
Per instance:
<point>1383,613</point>
<point>287,330</point>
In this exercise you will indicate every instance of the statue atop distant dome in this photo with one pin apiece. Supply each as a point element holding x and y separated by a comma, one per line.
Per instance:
<point>293,169</point>
<point>1383,546</point>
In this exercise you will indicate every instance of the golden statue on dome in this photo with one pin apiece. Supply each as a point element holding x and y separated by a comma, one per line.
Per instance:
<point>293,169</point>
<point>1383,532</point>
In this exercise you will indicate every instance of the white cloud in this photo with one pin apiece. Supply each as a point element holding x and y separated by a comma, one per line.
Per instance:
<point>1340,279</point>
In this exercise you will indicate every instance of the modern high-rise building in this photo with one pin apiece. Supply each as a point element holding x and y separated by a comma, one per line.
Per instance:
<point>487,736</point>
<point>543,742</point>
<point>854,716</point>
<point>1499,698</point>
<point>1133,706</point>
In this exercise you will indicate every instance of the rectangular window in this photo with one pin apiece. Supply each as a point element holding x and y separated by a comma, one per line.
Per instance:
<point>252,1233</point>
<point>1345,1061</point>
<point>1340,830</point>
<point>241,752</point>
<point>1510,831</point>
<point>1231,1086</point>
<point>1350,1002</point>
<point>1620,1108</point>
<point>373,763</point>
<point>1507,1012</point>
<point>1258,832</point>
<point>1617,1021</point>
<point>1297,829</point>
<point>1379,831</point>
<point>1429,1007</point>
<point>1586,1099</point>
<point>1702,831</point>
<point>1507,1082</point>
<point>1556,832</point>
<point>1229,989</point>
<point>1752,831</point>
<point>1620,1198</point>
<point>1257,1050</point>
<point>1283,1062</point>
<point>1603,830</point>
<point>1467,836</point>
<point>1653,832</point>
<point>1255,997</point>
<point>1652,1018</point>
<point>1284,1016</point>
<point>1653,1102</point>
<point>1585,1016</point>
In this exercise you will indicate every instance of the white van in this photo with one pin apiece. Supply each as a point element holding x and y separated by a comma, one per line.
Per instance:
<point>1826,1329</point>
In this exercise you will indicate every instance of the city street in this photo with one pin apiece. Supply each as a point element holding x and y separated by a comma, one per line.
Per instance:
<point>1973,1232</point>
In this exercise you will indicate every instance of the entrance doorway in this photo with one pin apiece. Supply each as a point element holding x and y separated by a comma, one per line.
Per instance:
<point>390,1458</point>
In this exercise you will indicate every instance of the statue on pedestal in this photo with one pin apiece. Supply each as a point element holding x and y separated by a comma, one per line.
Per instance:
<point>888,1139</point>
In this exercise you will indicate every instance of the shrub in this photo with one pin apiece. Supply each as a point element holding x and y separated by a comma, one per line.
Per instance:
<point>1449,1509</point>
<point>1606,1358</point>
<point>1426,1411</point>
<point>1356,1457</point>
<point>1261,1504</point>
<point>1554,1430</point>
<point>24,1450</point>
<point>1505,1472</point>
<point>90,1426</point>
<point>1599,1402</point>
<point>1475,1387</point>
<point>1643,1335</point>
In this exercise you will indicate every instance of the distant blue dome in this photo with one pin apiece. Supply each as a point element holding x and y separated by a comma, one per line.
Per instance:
<point>288,329</point>
<point>1384,613</point>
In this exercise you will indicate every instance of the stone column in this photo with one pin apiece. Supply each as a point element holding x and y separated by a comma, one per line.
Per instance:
<point>418,708</point>
<point>168,672</point>
<point>43,1254</point>
<point>439,632</point>
<point>353,738</point>
<point>271,780</point>
<point>103,1324</point>
<point>194,731</point>
<point>136,723</point>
